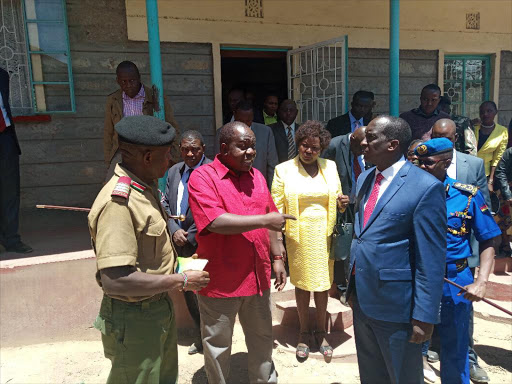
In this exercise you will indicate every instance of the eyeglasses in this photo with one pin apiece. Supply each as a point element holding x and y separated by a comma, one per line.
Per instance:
<point>428,162</point>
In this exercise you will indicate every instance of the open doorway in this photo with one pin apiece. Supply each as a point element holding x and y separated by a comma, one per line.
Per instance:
<point>259,72</point>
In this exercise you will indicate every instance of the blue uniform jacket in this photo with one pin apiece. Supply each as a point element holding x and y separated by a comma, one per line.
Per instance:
<point>466,210</point>
<point>400,255</point>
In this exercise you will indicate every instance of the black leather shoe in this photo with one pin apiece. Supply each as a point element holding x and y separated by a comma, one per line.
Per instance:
<point>20,248</point>
<point>478,374</point>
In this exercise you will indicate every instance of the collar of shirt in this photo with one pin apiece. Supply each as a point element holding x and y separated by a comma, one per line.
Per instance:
<point>292,126</point>
<point>452,169</point>
<point>265,115</point>
<point>195,167</point>
<point>418,111</point>
<point>139,95</point>
<point>223,171</point>
<point>353,121</point>
<point>389,174</point>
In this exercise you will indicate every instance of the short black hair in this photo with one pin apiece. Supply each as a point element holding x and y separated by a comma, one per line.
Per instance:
<point>432,87</point>
<point>397,129</point>
<point>227,130</point>
<point>445,100</point>
<point>127,66</point>
<point>313,128</point>
<point>490,102</point>
<point>363,95</point>
<point>192,135</point>
<point>269,94</point>
<point>244,105</point>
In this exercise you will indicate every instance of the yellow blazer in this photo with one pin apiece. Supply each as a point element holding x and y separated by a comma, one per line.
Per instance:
<point>286,186</point>
<point>493,148</point>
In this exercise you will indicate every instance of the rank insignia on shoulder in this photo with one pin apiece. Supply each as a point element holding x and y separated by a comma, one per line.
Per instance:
<point>466,187</point>
<point>122,188</point>
<point>137,186</point>
<point>484,208</point>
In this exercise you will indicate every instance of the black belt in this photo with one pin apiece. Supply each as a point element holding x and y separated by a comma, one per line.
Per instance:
<point>460,264</point>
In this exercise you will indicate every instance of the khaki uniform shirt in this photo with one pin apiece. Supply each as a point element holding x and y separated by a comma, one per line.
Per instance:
<point>131,231</point>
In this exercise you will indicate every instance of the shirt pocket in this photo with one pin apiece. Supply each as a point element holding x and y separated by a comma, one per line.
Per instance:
<point>454,222</point>
<point>395,216</point>
<point>153,240</point>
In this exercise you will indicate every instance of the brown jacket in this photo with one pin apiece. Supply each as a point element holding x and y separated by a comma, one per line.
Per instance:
<point>114,113</point>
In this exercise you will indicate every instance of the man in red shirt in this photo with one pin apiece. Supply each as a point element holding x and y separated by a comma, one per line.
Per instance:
<point>238,227</point>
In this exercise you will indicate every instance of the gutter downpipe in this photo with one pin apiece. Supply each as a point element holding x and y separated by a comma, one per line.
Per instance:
<point>394,57</point>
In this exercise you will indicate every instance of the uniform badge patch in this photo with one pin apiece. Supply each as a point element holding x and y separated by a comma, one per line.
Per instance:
<point>466,187</point>
<point>122,188</point>
<point>138,187</point>
<point>422,149</point>
<point>484,208</point>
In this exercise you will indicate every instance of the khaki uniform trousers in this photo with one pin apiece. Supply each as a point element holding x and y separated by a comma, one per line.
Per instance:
<point>140,340</point>
<point>217,323</point>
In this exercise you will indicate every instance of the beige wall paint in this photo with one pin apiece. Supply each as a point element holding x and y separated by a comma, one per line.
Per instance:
<point>424,24</point>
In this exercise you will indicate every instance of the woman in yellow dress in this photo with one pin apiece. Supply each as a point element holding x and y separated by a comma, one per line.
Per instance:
<point>492,140</point>
<point>309,188</point>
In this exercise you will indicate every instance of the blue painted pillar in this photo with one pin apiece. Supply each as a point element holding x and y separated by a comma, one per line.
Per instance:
<point>155,65</point>
<point>394,57</point>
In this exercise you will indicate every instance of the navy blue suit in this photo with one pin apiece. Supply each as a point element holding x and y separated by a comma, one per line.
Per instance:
<point>399,259</point>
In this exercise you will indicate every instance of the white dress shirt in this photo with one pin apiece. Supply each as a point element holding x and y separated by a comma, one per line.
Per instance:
<point>181,187</point>
<point>292,126</point>
<point>452,169</point>
<point>388,175</point>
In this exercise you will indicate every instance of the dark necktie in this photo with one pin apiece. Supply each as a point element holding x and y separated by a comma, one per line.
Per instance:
<point>372,200</point>
<point>291,144</point>
<point>357,167</point>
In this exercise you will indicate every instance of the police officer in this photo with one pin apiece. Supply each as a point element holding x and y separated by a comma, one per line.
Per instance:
<point>466,211</point>
<point>135,259</point>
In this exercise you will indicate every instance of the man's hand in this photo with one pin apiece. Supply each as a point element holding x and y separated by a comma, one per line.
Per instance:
<point>276,221</point>
<point>421,331</point>
<point>476,291</point>
<point>180,237</point>
<point>197,280</point>
<point>280,272</point>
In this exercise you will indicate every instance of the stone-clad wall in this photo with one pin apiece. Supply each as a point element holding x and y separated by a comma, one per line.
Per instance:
<point>62,160</point>
<point>505,101</point>
<point>368,69</point>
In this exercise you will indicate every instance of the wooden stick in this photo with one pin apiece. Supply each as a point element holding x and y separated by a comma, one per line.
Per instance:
<point>78,209</point>
<point>484,299</point>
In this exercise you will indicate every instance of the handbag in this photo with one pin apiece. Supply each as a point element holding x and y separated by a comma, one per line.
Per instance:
<point>342,235</point>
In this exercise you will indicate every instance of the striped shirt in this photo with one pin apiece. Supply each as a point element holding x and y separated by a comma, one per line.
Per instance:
<point>133,107</point>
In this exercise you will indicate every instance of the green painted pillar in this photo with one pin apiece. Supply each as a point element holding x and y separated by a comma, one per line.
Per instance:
<point>394,57</point>
<point>155,64</point>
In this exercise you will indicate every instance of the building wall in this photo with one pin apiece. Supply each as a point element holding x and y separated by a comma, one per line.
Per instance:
<point>505,100</point>
<point>62,160</point>
<point>432,24</point>
<point>368,69</point>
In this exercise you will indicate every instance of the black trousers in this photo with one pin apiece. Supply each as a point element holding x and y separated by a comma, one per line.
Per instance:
<point>9,189</point>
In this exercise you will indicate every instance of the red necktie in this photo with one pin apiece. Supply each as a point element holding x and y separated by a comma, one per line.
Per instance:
<point>372,200</point>
<point>357,167</point>
<point>2,122</point>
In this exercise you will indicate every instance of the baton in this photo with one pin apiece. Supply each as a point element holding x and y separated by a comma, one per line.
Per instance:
<point>78,209</point>
<point>483,299</point>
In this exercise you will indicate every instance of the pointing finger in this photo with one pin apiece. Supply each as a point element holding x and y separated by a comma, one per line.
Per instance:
<point>287,216</point>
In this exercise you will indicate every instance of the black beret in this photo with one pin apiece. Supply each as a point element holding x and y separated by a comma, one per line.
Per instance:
<point>145,130</point>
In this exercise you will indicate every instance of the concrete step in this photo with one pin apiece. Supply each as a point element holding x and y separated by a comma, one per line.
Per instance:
<point>488,312</point>
<point>339,317</point>
<point>499,287</point>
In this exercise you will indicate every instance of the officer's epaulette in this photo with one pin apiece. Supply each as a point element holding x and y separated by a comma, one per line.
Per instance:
<point>122,188</point>
<point>466,188</point>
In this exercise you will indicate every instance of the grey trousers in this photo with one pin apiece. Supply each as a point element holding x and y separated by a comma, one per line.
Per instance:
<point>217,324</point>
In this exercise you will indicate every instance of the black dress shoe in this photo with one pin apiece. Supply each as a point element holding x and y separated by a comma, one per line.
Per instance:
<point>478,374</point>
<point>20,248</point>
